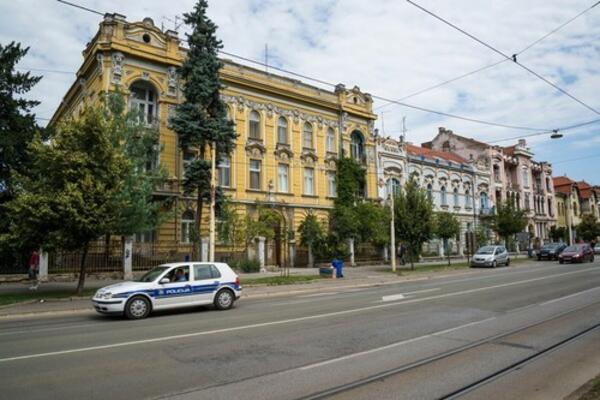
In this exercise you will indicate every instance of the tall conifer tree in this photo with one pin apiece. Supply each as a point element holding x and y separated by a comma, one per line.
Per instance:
<point>201,119</point>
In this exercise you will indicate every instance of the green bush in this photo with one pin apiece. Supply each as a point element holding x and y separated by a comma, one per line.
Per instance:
<point>246,265</point>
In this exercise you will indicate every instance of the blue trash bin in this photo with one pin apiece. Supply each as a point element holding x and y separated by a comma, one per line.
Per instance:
<point>186,258</point>
<point>339,266</point>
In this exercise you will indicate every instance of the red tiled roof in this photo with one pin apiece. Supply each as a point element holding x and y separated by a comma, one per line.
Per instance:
<point>562,184</point>
<point>434,154</point>
<point>585,190</point>
<point>510,150</point>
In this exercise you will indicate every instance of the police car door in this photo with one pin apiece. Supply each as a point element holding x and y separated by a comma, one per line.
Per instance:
<point>205,283</point>
<point>178,291</point>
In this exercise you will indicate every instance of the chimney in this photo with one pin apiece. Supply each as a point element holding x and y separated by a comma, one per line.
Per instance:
<point>522,143</point>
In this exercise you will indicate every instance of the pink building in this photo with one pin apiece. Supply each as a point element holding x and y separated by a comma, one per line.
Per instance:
<point>515,177</point>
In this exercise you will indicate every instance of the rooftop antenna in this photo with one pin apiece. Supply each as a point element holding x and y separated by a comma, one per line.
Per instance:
<point>266,57</point>
<point>403,137</point>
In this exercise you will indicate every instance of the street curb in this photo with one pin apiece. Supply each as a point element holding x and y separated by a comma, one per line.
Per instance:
<point>258,296</point>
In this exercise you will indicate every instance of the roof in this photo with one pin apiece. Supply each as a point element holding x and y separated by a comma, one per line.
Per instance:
<point>434,154</point>
<point>563,184</point>
<point>585,190</point>
<point>510,150</point>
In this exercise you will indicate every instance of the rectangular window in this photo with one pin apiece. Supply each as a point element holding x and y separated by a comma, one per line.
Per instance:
<point>202,272</point>
<point>225,172</point>
<point>331,185</point>
<point>525,178</point>
<point>144,237</point>
<point>254,129</point>
<point>309,181</point>
<point>255,174</point>
<point>308,142</point>
<point>330,141</point>
<point>282,134</point>
<point>283,173</point>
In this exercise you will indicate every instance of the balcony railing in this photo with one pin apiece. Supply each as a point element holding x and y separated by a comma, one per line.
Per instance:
<point>487,211</point>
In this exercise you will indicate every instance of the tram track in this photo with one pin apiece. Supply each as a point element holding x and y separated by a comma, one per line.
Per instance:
<point>456,393</point>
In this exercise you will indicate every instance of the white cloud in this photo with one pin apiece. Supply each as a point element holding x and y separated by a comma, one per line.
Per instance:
<point>386,47</point>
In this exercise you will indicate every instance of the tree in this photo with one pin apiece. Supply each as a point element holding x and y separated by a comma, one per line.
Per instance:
<point>201,120</point>
<point>413,212</point>
<point>374,222</point>
<point>71,194</point>
<point>311,236</point>
<point>343,221</point>
<point>507,221</point>
<point>559,233</point>
<point>231,227</point>
<point>588,229</point>
<point>17,130</point>
<point>446,227</point>
<point>139,210</point>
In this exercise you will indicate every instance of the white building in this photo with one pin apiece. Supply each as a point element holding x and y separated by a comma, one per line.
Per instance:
<point>455,184</point>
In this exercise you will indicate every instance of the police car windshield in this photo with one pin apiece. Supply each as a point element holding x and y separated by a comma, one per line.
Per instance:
<point>151,275</point>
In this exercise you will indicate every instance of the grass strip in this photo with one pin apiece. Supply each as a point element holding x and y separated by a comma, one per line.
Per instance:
<point>13,298</point>
<point>279,280</point>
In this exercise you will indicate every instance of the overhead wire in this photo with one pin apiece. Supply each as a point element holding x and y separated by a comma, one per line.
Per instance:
<point>513,58</point>
<point>540,131</point>
<point>523,50</point>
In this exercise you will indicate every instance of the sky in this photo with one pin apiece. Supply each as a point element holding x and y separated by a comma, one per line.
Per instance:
<point>390,49</point>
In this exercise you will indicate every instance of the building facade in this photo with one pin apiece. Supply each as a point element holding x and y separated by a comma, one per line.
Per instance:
<point>515,177</point>
<point>574,200</point>
<point>289,133</point>
<point>453,183</point>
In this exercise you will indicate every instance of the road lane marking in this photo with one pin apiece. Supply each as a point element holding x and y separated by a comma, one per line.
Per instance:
<point>393,297</point>
<point>391,346</point>
<point>280,322</point>
<point>319,294</point>
<point>569,296</point>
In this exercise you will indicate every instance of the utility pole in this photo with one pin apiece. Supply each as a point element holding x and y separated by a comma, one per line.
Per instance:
<point>392,230</point>
<point>211,229</point>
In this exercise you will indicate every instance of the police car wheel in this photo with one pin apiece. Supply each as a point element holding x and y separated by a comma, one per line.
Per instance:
<point>224,299</point>
<point>137,308</point>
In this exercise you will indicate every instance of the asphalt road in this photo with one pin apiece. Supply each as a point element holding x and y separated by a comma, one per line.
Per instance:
<point>424,339</point>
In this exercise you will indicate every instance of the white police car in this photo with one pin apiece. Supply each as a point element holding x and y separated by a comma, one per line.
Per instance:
<point>170,286</point>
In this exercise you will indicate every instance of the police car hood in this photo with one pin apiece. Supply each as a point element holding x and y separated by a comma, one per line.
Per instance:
<point>127,286</point>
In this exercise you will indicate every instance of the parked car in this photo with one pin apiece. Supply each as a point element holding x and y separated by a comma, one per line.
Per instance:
<point>577,253</point>
<point>171,286</point>
<point>490,256</point>
<point>597,249</point>
<point>551,251</point>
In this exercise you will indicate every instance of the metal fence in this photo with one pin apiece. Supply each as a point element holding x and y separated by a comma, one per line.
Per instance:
<point>102,256</point>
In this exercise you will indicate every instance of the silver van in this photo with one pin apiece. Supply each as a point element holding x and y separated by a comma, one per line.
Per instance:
<point>490,256</point>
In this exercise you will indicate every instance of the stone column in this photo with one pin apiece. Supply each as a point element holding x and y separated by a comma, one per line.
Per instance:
<point>461,243</point>
<point>351,249</point>
<point>292,253</point>
<point>385,253</point>
<point>204,249</point>
<point>261,252</point>
<point>128,258</point>
<point>441,248</point>
<point>43,272</point>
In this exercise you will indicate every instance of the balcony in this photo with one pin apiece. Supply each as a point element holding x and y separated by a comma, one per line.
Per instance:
<point>169,187</point>
<point>487,211</point>
<point>515,187</point>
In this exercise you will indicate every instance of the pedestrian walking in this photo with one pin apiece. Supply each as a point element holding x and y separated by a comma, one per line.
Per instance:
<point>401,253</point>
<point>34,270</point>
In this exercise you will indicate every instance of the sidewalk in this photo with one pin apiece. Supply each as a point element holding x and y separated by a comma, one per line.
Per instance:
<point>357,277</point>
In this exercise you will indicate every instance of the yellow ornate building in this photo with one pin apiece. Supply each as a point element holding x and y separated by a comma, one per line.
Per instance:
<point>290,132</point>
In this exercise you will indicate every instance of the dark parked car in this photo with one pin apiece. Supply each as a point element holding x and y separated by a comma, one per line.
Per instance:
<point>577,253</point>
<point>551,251</point>
<point>597,249</point>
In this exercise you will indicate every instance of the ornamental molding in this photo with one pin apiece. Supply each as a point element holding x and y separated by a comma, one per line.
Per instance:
<point>255,149</point>
<point>117,60</point>
<point>283,152</point>
<point>308,157</point>
<point>172,81</point>
<point>270,110</point>
<point>100,60</point>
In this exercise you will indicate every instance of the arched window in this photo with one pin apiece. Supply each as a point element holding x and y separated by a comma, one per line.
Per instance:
<point>307,142</point>
<point>483,200</point>
<point>187,226</point>
<point>282,131</point>
<point>392,186</point>
<point>430,192</point>
<point>443,196</point>
<point>357,145</point>
<point>455,193</point>
<point>254,125</point>
<point>143,100</point>
<point>468,199</point>
<point>330,145</point>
